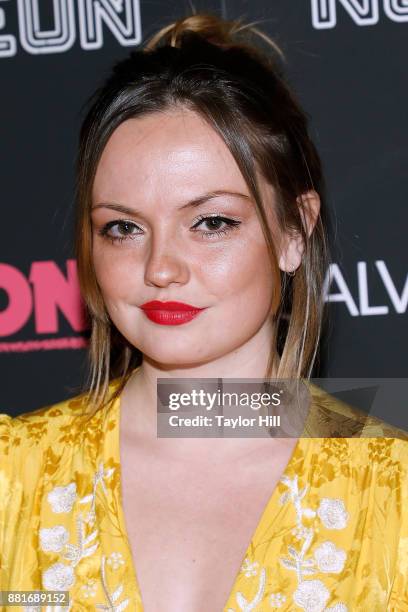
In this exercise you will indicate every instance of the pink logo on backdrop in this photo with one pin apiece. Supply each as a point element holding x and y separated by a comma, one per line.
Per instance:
<point>47,292</point>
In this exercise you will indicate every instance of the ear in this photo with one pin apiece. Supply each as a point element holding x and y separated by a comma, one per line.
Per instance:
<point>292,247</point>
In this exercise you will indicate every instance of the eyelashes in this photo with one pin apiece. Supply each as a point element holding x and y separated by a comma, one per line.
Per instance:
<point>124,229</point>
<point>125,225</point>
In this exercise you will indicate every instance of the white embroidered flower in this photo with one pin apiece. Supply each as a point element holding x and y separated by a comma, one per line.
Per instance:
<point>58,577</point>
<point>276,600</point>
<point>89,589</point>
<point>329,558</point>
<point>115,560</point>
<point>53,539</point>
<point>62,498</point>
<point>333,513</point>
<point>339,607</point>
<point>311,595</point>
<point>249,568</point>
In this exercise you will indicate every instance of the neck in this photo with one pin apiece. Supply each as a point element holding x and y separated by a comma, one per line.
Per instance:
<point>139,398</point>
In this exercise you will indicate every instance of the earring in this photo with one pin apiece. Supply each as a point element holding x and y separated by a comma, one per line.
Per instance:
<point>292,273</point>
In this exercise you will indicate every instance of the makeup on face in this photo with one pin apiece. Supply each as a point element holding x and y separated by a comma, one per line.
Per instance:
<point>173,221</point>
<point>170,313</point>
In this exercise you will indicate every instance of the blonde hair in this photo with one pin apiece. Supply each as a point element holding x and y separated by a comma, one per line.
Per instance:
<point>214,67</point>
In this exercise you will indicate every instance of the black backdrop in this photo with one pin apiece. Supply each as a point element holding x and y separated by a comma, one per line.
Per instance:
<point>347,62</point>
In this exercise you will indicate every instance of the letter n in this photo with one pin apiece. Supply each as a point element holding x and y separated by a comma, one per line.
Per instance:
<point>126,29</point>
<point>362,12</point>
<point>52,292</point>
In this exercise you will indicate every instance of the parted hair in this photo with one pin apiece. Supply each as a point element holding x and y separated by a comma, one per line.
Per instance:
<point>230,73</point>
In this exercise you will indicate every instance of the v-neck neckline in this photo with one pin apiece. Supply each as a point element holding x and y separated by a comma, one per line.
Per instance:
<point>302,444</point>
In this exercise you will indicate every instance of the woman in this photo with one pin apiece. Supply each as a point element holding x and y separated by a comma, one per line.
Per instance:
<point>198,184</point>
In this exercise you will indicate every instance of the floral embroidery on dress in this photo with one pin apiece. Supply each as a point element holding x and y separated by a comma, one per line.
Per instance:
<point>332,513</point>
<point>62,498</point>
<point>54,539</point>
<point>276,600</point>
<point>61,576</point>
<point>311,594</point>
<point>249,569</point>
<point>115,560</point>
<point>111,596</point>
<point>329,558</point>
<point>58,577</point>
<point>248,606</point>
<point>89,589</point>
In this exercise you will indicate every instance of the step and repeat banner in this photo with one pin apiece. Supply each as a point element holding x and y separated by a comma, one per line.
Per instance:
<point>346,59</point>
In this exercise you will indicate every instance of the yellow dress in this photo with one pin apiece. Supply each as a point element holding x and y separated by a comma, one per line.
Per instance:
<point>333,536</point>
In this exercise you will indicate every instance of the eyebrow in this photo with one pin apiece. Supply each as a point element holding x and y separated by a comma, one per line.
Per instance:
<point>195,202</point>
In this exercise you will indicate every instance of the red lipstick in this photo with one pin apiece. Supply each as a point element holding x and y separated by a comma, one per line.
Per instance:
<point>170,313</point>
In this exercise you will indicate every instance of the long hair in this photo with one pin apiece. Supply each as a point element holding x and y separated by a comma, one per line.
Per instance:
<point>215,68</point>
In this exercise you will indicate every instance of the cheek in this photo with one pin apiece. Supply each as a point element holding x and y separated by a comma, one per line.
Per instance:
<point>240,283</point>
<point>240,273</point>
<point>115,273</point>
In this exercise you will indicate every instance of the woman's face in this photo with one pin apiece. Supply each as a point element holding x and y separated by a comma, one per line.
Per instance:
<point>151,243</point>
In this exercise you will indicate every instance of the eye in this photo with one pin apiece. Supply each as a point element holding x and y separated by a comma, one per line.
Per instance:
<point>214,222</point>
<point>123,231</point>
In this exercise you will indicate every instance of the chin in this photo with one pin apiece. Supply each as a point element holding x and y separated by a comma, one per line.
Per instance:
<point>173,355</point>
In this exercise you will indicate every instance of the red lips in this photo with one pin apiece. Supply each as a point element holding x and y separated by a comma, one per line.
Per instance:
<point>178,306</point>
<point>170,313</point>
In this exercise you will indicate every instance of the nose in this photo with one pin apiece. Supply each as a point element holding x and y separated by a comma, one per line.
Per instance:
<point>166,263</point>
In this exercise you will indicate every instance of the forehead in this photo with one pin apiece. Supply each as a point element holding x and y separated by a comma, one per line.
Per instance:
<point>176,150</point>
